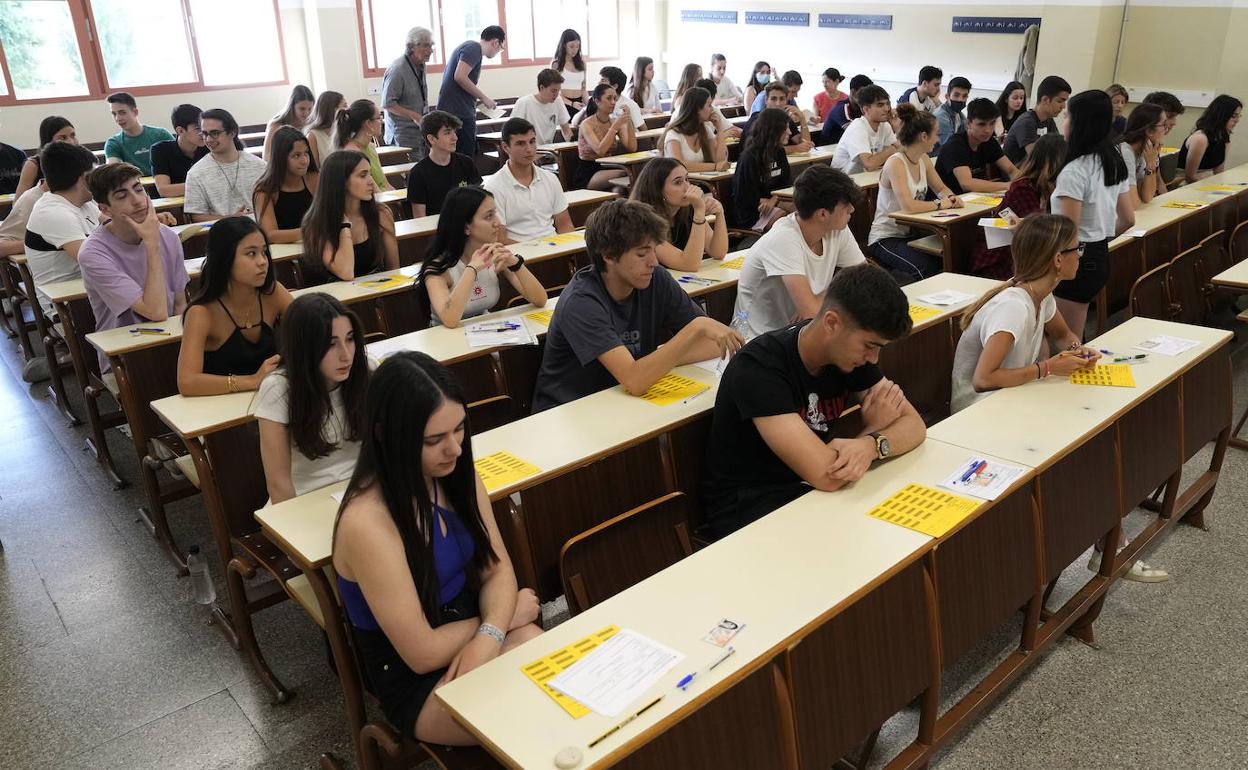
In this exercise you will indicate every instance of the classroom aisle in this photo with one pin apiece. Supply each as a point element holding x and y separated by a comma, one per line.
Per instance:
<point>105,662</point>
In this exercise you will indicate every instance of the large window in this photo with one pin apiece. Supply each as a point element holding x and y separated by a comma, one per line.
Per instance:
<point>66,49</point>
<point>533,28</point>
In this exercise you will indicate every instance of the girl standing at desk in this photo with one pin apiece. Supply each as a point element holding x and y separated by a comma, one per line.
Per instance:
<point>346,234</point>
<point>469,238</point>
<point>228,344</point>
<point>283,193</point>
<point>1002,343</point>
<point>664,186</point>
<point>310,410</point>
<point>1204,151</point>
<point>569,62</point>
<point>406,544</point>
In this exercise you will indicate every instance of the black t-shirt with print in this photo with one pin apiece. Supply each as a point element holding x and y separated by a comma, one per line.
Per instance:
<point>429,183</point>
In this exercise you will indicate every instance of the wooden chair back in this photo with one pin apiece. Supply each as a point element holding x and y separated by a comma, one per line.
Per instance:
<point>1239,242</point>
<point>1150,297</point>
<point>619,553</point>
<point>1184,283</point>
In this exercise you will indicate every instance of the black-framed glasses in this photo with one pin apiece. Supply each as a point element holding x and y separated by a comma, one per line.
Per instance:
<point>215,133</point>
<point>1073,249</point>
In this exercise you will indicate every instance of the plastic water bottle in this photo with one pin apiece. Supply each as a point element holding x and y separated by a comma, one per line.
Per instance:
<point>201,578</point>
<point>741,325</point>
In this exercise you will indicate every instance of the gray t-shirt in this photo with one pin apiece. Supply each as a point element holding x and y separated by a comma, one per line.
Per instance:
<point>452,97</point>
<point>588,322</point>
<point>1025,131</point>
<point>221,188</point>
<point>1083,180</point>
<point>404,84</point>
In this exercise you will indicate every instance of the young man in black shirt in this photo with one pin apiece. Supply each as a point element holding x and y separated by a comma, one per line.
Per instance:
<point>966,153</point>
<point>171,159</point>
<point>772,430</point>
<point>614,313</point>
<point>443,169</point>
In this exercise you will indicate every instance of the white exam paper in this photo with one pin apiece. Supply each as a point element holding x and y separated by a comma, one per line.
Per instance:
<point>1166,345</point>
<point>988,484</point>
<point>713,365</point>
<point>489,334</point>
<point>945,298</point>
<point>616,673</point>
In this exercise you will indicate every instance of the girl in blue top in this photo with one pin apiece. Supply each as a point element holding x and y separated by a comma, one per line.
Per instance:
<point>406,545</point>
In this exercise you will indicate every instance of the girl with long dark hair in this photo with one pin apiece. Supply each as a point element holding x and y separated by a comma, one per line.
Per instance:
<point>462,267</point>
<point>1011,103</point>
<point>320,128</point>
<point>759,78</point>
<point>664,186</point>
<point>283,194</point>
<point>356,128</point>
<point>1145,130</point>
<point>53,128</point>
<point>296,114</point>
<point>228,343</point>
<point>570,63</point>
<point>601,136</point>
<point>1028,193</point>
<point>1204,151</point>
<point>688,137</point>
<point>1093,190</point>
<point>641,88</point>
<point>762,169</point>
<point>689,77</point>
<point>425,580</point>
<point>311,409</point>
<point>345,233</point>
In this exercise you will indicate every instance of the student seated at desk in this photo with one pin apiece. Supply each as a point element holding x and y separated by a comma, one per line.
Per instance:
<point>1094,190</point>
<point>760,77</point>
<point>905,182</point>
<point>1051,98</point>
<point>346,234</point>
<point>228,342</point>
<point>1145,130</point>
<point>970,151</point>
<point>641,89</point>
<point>792,82</point>
<point>762,169</point>
<point>831,95</point>
<point>133,143</point>
<point>1118,97</point>
<point>221,183</point>
<point>777,98</point>
<point>926,95</point>
<point>63,218</point>
<point>787,272</point>
<point>12,160</point>
<point>950,115</point>
<point>530,199</point>
<point>1204,151</point>
<point>688,137</point>
<point>664,186</point>
<point>443,169</point>
<point>1028,193</point>
<point>844,112</point>
<point>320,129</point>
<point>611,317</point>
<point>172,159</point>
<point>1004,333</point>
<point>545,110</point>
<point>356,128</point>
<point>13,228</point>
<point>424,576</point>
<point>772,429</point>
<point>311,408</point>
<point>296,115</point>
<point>284,193</point>
<point>615,77</point>
<point>1011,104</point>
<point>601,136</point>
<point>1172,108</point>
<point>870,139</point>
<point>726,92</point>
<point>689,77</point>
<point>469,239</point>
<point>51,129</point>
<point>717,124</point>
<point>132,267</point>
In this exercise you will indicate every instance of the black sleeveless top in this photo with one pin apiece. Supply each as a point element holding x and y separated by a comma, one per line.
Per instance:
<point>239,355</point>
<point>1215,155</point>
<point>365,258</point>
<point>289,207</point>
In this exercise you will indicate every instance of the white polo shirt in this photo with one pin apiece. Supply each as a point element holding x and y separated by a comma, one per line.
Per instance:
<point>528,212</point>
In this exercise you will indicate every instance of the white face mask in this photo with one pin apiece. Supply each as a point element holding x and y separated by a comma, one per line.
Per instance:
<point>764,78</point>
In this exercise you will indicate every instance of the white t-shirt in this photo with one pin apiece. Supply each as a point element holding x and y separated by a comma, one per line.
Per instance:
<point>726,89</point>
<point>528,212</point>
<point>1011,311</point>
<point>546,118</point>
<point>859,139</point>
<point>1084,180</point>
<point>1135,166</point>
<point>273,403</point>
<point>783,251</point>
<point>485,291</point>
<point>13,228</point>
<point>923,102</point>
<point>685,152</point>
<point>54,222</point>
<point>221,188</point>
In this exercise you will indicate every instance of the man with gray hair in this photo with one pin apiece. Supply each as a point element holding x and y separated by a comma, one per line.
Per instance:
<point>405,94</point>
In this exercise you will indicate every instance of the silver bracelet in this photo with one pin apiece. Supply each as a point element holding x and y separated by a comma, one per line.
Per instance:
<point>492,631</point>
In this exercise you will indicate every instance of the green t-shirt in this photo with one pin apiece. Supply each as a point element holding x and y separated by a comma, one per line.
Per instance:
<point>136,149</point>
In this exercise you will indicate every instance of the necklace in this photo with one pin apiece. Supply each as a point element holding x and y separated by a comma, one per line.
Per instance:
<point>233,185</point>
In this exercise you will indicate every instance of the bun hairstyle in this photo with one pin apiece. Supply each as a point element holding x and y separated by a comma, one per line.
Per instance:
<point>914,122</point>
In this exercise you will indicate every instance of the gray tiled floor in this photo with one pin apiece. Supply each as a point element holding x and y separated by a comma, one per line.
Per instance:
<point>106,663</point>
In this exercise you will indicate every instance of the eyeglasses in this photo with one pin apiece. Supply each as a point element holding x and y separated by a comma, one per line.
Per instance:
<point>214,133</point>
<point>1074,249</point>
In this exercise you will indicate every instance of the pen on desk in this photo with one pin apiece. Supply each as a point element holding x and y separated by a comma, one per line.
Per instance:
<point>695,395</point>
<point>1105,352</point>
<point>696,279</point>
<point>615,729</point>
<point>975,468</point>
<point>1136,357</point>
<point>722,658</point>
<point>158,332</point>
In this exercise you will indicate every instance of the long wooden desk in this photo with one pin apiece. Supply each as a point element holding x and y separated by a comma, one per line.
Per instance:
<point>720,182</point>
<point>956,228</point>
<point>864,215</point>
<point>1235,279</point>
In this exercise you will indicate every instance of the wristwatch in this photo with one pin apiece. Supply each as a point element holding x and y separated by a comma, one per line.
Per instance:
<point>882,449</point>
<point>519,264</point>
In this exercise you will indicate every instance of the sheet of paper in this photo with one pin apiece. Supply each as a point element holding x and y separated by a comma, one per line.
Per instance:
<point>672,388</point>
<point>502,468</point>
<point>1167,345</point>
<point>1116,375</point>
<point>489,334</point>
<point>562,238</point>
<point>984,479</point>
<point>1220,188</point>
<point>994,222</point>
<point>715,366</point>
<point>924,509</point>
<point>616,673</point>
<point>540,316</point>
<point>541,671</point>
<point>337,496</point>
<point>735,263</point>
<point>1136,233</point>
<point>920,313</point>
<point>981,199</point>
<point>389,282</point>
<point>1184,205</point>
<point>946,298</point>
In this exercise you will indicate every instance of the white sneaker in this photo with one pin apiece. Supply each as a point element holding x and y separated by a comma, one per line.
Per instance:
<point>1140,572</point>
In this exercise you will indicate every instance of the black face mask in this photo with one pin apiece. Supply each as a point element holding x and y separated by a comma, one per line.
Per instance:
<point>956,106</point>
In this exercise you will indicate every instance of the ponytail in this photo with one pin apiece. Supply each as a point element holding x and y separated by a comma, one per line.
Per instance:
<point>1036,242</point>
<point>913,123</point>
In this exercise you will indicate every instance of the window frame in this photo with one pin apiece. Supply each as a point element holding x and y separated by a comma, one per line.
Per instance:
<point>82,14</point>
<point>439,39</point>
